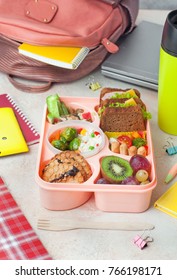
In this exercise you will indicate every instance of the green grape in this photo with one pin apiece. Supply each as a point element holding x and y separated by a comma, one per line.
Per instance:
<point>145,182</point>
<point>142,175</point>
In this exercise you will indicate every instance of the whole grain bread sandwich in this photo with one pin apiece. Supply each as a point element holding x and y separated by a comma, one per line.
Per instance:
<point>122,110</point>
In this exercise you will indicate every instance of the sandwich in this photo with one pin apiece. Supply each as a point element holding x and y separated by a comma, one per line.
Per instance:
<point>122,110</point>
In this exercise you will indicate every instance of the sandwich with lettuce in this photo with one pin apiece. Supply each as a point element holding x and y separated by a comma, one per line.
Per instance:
<point>122,110</point>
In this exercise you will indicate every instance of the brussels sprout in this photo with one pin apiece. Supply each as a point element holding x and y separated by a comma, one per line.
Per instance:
<point>63,139</point>
<point>69,133</point>
<point>59,144</point>
<point>74,144</point>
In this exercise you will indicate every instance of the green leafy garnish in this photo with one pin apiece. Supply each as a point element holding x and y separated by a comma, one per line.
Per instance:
<point>138,142</point>
<point>146,115</point>
<point>124,95</point>
<point>118,104</point>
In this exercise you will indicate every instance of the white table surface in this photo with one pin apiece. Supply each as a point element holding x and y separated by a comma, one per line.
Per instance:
<point>18,171</point>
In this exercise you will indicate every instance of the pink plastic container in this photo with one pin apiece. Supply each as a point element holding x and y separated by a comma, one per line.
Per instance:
<point>108,197</point>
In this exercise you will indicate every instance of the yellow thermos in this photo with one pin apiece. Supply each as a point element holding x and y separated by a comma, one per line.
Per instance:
<point>167,89</point>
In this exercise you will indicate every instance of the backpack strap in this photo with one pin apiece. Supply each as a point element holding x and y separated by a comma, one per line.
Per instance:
<point>27,88</point>
<point>132,6</point>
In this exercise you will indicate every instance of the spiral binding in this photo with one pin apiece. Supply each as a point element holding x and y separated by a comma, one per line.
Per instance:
<point>80,56</point>
<point>22,115</point>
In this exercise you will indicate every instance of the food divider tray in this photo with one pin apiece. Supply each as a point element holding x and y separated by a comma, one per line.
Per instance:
<point>108,197</point>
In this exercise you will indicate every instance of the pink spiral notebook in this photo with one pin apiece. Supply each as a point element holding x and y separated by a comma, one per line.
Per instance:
<point>30,133</point>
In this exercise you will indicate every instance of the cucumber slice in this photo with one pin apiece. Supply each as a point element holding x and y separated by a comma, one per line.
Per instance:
<point>52,105</point>
<point>65,109</point>
<point>60,108</point>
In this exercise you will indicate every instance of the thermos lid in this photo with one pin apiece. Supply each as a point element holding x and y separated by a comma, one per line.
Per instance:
<point>169,36</point>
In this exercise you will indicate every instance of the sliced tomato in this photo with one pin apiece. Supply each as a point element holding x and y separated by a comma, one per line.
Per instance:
<point>125,139</point>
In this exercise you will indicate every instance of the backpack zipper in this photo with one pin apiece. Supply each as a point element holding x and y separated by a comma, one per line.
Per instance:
<point>110,46</point>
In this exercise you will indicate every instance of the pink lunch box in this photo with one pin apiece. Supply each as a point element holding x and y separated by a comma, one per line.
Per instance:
<point>108,197</point>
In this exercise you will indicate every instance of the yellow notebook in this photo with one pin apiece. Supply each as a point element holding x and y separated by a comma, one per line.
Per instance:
<point>11,138</point>
<point>66,57</point>
<point>168,201</point>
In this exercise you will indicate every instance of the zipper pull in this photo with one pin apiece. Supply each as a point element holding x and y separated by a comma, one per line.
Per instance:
<point>111,47</point>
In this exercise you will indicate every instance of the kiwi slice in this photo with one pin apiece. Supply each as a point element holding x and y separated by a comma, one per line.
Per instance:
<point>115,169</point>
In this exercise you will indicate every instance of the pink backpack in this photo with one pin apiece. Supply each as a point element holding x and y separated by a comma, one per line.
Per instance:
<point>96,24</point>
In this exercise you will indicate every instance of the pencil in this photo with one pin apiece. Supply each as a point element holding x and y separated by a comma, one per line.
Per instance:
<point>171,174</point>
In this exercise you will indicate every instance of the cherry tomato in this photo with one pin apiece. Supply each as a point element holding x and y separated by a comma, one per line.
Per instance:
<point>125,139</point>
